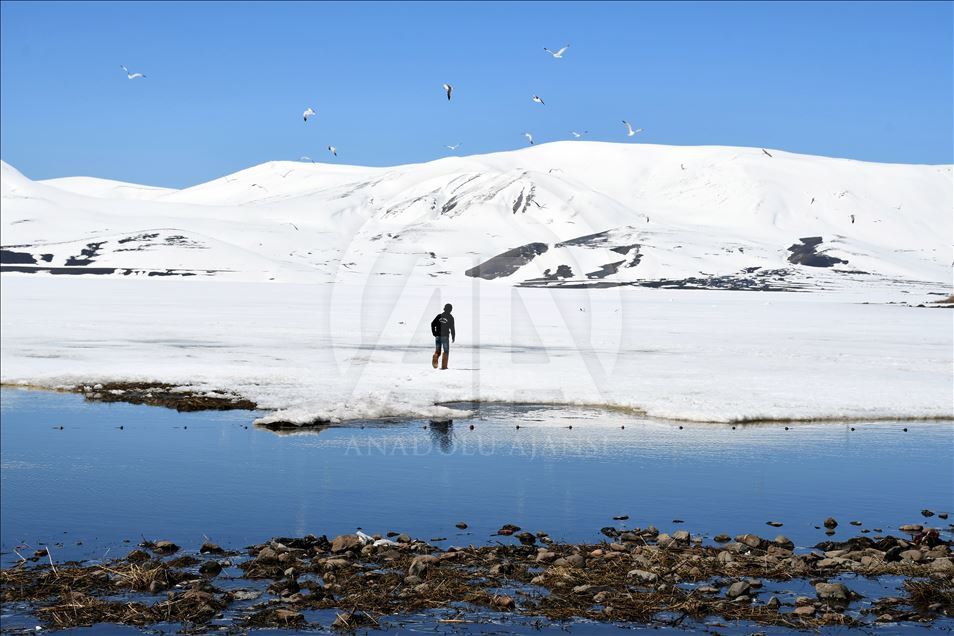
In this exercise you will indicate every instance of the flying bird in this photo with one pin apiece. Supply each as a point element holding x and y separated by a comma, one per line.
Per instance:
<point>629,129</point>
<point>537,99</point>
<point>448,89</point>
<point>309,112</point>
<point>766,152</point>
<point>132,75</point>
<point>557,54</point>
<point>454,147</point>
<point>333,150</point>
<point>578,134</point>
<point>529,137</point>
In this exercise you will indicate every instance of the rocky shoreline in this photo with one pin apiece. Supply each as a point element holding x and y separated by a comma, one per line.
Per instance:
<point>634,576</point>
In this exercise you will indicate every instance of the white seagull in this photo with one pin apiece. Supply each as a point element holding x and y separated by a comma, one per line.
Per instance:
<point>529,137</point>
<point>448,89</point>
<point>333,150</point>
<point>309,112</point>
<point>557,54</point>
<point>629,129</point>
<point>537,99</point>
<point>578,134</point>
<point>132,75</point>
<point>454,147</point>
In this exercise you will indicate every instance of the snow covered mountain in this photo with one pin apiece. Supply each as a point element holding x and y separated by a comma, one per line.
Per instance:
<point>567,214</point>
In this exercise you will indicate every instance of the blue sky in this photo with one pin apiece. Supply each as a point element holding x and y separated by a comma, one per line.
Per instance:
<point>227,82</point>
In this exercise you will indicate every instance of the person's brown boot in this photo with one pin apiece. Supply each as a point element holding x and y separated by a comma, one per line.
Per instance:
<point>443,362</point>
<point>434,359</point>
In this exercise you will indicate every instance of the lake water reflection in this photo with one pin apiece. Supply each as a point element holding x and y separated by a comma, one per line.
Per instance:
<point>91,485</point>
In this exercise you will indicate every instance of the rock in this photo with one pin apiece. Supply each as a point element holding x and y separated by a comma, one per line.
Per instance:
<point>943,565</point>
<point>911,555</point>
<point>610,532</point>
<point>461,525</point>
<point>722,538</point>
<point>210,569</point>
<point>830,523</point>
<point>664,540</point>
<point>403,538</point>
<point>783,541</point>
<point>504,567</point>
<point>345,542</point>
<point>600,597</point>
<point>707,589</point>
<point>855,523</point>
<point>833,593</point>
<point>503,602</point>
<point>538,580</point>
<point>545,556</point>
<point>165,547</point>
<point>581,589</point>
<point>911,528</point>
<point>803,600</point>
<point>643,576</point>
<point>805,611</point>
<point>751,540</point>
<point>725,557</point>
<point>137,556</point>
<point>681,535</point>
<point>739,588</point>
<point>526,538</point>
<point>772,603</point>
<point>942,515</point>
<point>288,616</point>
<point>210,548</point>
<point>335,564</point>
<point>575,560</point>
<point>621,518</point>
<point>774,524</point>
<point>421,564</point>
<point>508,529</point>
<point>927,513</point>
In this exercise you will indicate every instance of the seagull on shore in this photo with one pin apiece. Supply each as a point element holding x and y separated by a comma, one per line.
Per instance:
<point>537,99</point>
<point>454,147</point>
<point>448,89</point>
<point>529,137</point>
<point>132,75</point>
<point>364,538</point>
<point>578,134</point>
<point>333,150</point>
<point>629,129</point>
<point>309,112</point>
<point>558,55</point>
<point>766,152</point>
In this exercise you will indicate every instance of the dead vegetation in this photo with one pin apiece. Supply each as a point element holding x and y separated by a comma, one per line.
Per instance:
<point>181,399</point>
<point>640,576</point>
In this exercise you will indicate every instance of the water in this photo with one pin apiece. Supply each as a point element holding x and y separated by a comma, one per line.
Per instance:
<point>90,488</point>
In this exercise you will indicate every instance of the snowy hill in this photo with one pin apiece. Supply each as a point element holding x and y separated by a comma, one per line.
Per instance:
<point>567,214</point>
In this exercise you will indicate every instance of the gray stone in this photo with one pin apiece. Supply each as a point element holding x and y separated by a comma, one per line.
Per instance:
<point>421,564</point>
<point>833,592</point>
<point>644,576</point>
<point>739,588</point>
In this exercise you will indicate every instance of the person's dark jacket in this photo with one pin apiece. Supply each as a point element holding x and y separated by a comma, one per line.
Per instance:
<point>443,325</point>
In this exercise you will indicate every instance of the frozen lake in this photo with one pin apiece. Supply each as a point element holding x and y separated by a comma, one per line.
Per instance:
<point>90,487</point>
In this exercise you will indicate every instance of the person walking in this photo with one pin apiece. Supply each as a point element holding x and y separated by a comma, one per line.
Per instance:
<point>442,328</point>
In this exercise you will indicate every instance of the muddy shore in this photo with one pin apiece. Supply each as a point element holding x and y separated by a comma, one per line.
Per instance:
<point>635,576</point>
